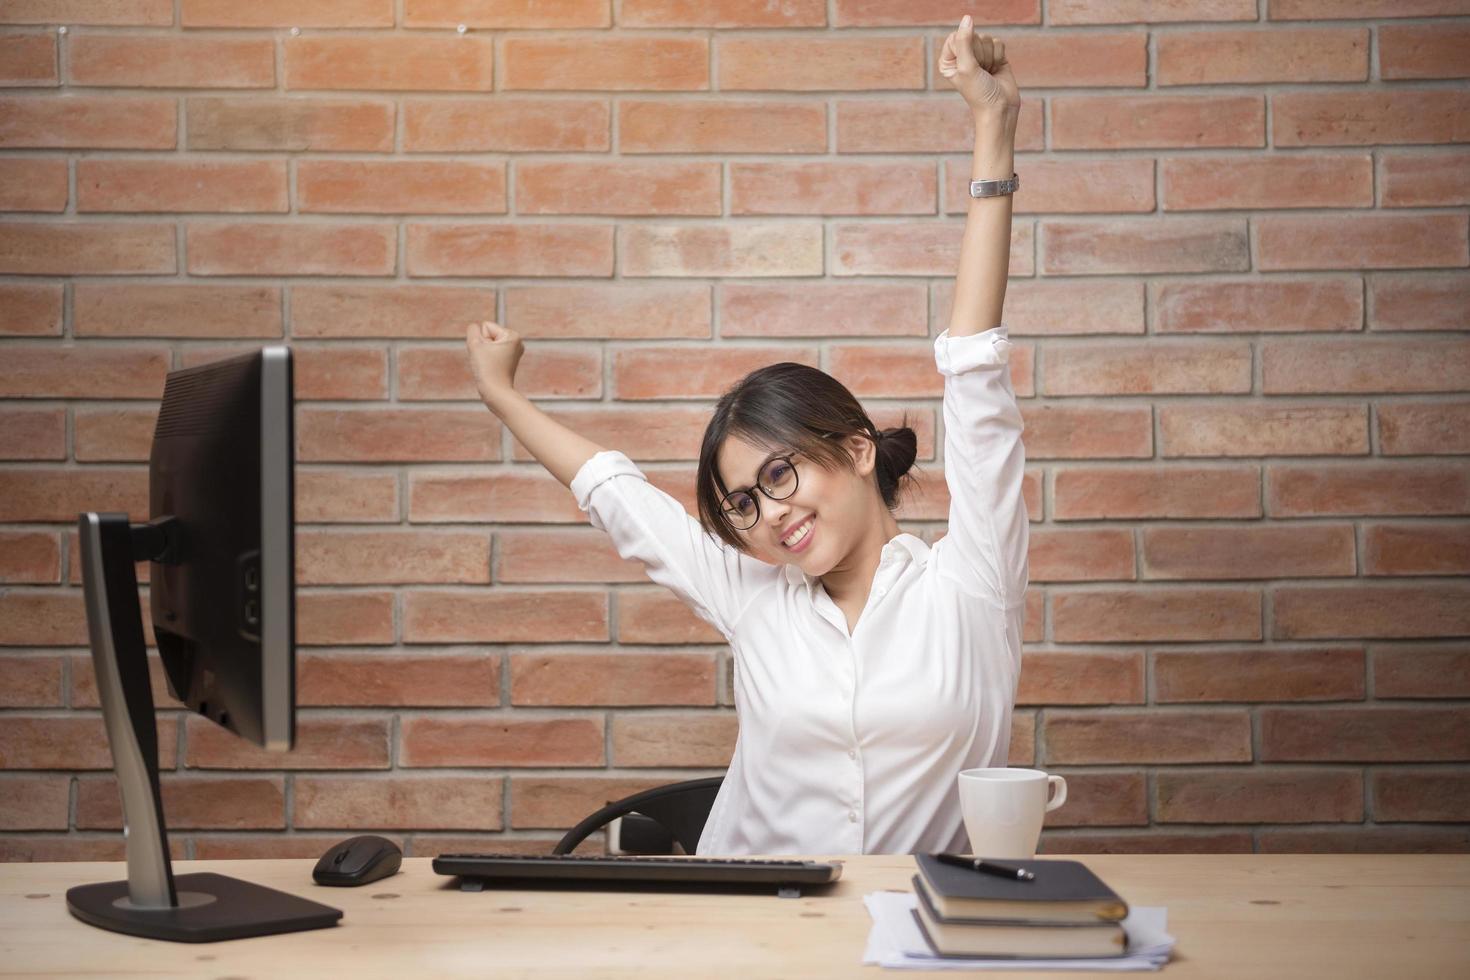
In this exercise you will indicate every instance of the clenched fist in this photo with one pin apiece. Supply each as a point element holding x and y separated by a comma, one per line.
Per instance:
<point>977,67</point>
<point>495,351</point>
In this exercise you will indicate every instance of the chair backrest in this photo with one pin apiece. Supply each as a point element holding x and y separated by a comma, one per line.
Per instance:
<point>681,807</point>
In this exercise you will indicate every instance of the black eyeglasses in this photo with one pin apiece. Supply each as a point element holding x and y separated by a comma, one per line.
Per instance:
<point>778,480</point>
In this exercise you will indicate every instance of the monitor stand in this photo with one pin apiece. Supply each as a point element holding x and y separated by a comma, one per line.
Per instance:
<point>192,908</point>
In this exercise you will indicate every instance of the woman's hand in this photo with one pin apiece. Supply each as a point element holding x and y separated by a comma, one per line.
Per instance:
<point>977,66</point>
<point>494,353</point>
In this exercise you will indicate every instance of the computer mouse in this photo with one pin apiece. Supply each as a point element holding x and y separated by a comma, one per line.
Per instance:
<point>358,860</point>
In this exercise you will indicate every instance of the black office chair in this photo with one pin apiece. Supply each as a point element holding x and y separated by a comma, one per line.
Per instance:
<point>671,813</point>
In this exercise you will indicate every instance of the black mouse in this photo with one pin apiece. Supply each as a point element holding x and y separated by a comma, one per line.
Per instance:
<point>357,861</point>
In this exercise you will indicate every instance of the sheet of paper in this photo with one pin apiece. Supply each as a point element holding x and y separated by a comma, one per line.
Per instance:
<point>896,942</point>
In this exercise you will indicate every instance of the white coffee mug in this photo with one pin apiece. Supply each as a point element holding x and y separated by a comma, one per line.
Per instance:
<point>1004,807</point>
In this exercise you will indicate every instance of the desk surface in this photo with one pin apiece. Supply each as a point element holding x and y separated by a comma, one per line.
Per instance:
<point>1233,915</point>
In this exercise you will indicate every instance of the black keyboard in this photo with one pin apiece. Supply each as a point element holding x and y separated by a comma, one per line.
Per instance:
<point>576,870</point>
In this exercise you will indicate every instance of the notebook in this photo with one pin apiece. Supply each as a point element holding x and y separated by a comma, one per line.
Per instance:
<point>1062,891</point>
<point>1007,938</point>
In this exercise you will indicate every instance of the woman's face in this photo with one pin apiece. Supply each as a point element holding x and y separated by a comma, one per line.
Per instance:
<point>840,503</point>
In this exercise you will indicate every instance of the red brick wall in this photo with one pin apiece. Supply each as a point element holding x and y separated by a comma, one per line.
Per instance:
<point>1239,299</point>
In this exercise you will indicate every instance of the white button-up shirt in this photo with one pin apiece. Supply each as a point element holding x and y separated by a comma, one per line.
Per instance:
<point>850,743</point>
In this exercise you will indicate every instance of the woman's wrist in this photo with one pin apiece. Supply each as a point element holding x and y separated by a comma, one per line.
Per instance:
<point>995,144</point>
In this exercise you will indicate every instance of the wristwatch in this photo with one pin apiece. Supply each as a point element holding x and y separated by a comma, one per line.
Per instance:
<point>996,187</point>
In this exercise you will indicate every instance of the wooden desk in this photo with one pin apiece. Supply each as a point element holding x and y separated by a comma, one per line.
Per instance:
<point>1234,915</point>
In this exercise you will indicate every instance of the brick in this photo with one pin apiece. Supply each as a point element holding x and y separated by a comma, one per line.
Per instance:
<point>622,311</point>
<point>882,13</point>
<point>1114,59</point>
<point>657,617</point>
<point>908,370</point>
<point>1135,615</point>
<point>1260,796</point>
<point>740,249</point>
<point>170,61</point>
<point>1145,841</point>
<point>290,249</point>
<point>1257,305</point>
<point>623,679</point>
<point>501,740</point>
<point>1361,241</point>
<point>1364,840</point>
<point>923,125</point>
<point>1410,179</point>
<point>506,124</point>
<point>182,185</point>
<point>1081,737</point>
<point>84,694</point>
<point>396,557</point>
<point>393,435</point>
<point>1060,308</point>
<point>88,122</point>
<point>1422,51</point>
<point>1419,301</point>
<point>57,495</point>
<point>436,374</point>
<point>1421,671</point>
<point>1363,488</point>
<point>822,309</point>
<point>69,742</point>
<point>645,434</point>
<point>561,14</point>
<point>113,435</point>
<point>1378,733</point>
<point>151,13</point>
<point>399,802</point>
<point>557,187</point>
<point>915,248</point>
<point>1214,553</point>
<point>328,619</point>
<point>1061,432</point>
<point>98,248</point>
<point>27,434</point>
<point>673,739</point>
<point>28,60</point>
<point>1102,799</point>
<point>1371,117</point>
<point>820,64</point>
<point>1263,429</point>
<point>28,310</point>
<point>146,310</point>
<point>355,496</point>
<point>569,555</point>
<point>630,63</point>
<point>399,679</point>
<point>394,312</point>
<point>30,681</point>
<point>1254,674</point>
<point>390,62</point>
<point>1023,737</point>
<point>1144,246</point>
<point>1416,549</point>
<point>72,847</point>
<point>1132,11</point>
<point>400,187</point>
<point>1081,555</point>
<point>211,802</point>
<point>1104,677</point>
<point>1364,365</point>
<point>1064,186</point>
<point>1412,429</point>
<point>832,188</point>
<point>1149,368</point>
<point>32,183</point>
<point>540,802</point>
<point>321,743</point>
<point>1420,794</point>
<point>1387,611</point>
<point>1259,56</point>
<point>509,250</point>
<point>512,495</point>
<point>687,372</point>
<point>35,802</point>
<point>287,13</point>
<point>84,372</point>
<point>289,124</point>
<point>1216,183</point>
<point>1111,122</point>
<point>726,127</point>
<point>506,616</point>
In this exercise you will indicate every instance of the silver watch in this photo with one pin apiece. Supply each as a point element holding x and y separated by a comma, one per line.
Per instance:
<point>996,187</point>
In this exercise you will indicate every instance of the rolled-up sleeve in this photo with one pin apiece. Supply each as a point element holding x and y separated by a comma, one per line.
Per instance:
<point>715,580</point>
<point>984,467</point>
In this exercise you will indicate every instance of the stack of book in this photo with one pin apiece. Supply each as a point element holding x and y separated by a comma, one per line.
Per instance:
<point>1065,910</point>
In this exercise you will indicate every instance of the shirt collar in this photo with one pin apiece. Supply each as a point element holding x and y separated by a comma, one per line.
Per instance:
<point>902,547</point>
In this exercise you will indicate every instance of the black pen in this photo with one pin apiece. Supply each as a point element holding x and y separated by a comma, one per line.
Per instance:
<point>989,867</point>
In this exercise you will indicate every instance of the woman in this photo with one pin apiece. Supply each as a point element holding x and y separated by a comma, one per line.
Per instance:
<point>870,668</point>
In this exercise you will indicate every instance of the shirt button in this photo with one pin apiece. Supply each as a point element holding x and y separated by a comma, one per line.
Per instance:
<point>852,817</point>
<point>851,754</point>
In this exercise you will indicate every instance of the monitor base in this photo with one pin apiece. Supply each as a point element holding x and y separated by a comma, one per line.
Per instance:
<point>211,907</point>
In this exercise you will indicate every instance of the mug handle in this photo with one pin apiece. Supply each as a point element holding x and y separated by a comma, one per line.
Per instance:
<point>1061,792</point>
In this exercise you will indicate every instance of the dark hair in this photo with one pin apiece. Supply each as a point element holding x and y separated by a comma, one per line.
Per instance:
<point>797,407</point>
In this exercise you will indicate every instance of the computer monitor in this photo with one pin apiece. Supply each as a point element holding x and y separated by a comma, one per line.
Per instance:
<point>221,539</point>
